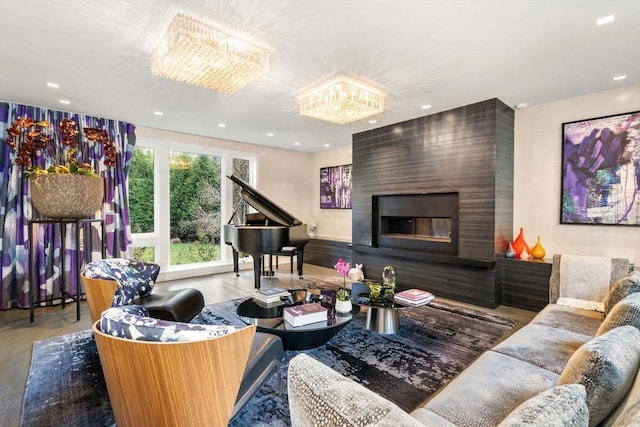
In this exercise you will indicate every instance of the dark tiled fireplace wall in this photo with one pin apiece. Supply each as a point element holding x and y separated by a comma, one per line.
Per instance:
<point>467,151</point>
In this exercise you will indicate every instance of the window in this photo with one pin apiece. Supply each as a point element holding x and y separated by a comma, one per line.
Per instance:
<point>194,208</point>
<point>178,199</point>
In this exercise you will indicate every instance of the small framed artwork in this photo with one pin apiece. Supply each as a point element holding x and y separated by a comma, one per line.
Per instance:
<point>601,171</point>
<point>328,298</point>
<point>335,187</point>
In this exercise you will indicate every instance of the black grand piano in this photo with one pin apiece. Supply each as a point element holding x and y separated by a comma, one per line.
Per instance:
<point>265,232</point>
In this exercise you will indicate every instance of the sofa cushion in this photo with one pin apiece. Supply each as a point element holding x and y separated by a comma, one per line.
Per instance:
<point>489,390</point>
<point>571,319</point>
<point>431,419</point>
<point>123,323</point>
<point>544,346</point>
<point>561,406</point>
<point>606,366</point>
<point>630,417</point>
<point>320,396</point>
<point>621,289</point>
<point>626,407</point>
<point>135,278</point>
<point>625,312</point>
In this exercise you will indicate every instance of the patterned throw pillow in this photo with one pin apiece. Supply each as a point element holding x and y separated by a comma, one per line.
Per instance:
<point>561,406</point>
<point>621,289</point>
<point>127,322</point>
<point>135,278</point>
<point>625,312</point>
<point>606,366</point>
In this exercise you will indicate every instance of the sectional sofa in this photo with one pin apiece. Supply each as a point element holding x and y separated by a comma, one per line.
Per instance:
<point>570,366</point>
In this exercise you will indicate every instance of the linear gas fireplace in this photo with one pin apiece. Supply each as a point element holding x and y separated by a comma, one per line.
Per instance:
<point>418,222</point>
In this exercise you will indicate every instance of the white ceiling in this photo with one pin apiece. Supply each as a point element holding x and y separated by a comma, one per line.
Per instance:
<point>442,53</point>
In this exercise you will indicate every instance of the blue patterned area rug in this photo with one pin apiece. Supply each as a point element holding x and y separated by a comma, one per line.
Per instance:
<point>66,386</point>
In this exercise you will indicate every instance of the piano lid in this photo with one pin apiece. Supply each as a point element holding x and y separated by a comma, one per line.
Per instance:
<point>263,205</point>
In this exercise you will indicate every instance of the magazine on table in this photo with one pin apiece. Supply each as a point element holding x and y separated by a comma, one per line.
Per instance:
<point>414,297</point>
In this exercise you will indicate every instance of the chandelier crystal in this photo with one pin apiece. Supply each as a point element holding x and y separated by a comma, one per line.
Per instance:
<point>200,54</point>
<point>342,100</point>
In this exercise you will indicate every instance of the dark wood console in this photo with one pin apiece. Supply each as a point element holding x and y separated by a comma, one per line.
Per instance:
<point>525,283</point>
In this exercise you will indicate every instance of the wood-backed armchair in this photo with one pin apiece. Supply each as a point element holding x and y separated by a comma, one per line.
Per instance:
<point>266,350</point>
<point>174,383</point>
<point>180,305</point>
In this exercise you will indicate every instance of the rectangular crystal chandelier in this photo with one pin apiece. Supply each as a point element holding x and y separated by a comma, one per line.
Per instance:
<point>342,100</point>
<point>200,54</point>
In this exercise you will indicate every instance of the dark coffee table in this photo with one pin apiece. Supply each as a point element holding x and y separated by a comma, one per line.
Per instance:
<point>270,320</point>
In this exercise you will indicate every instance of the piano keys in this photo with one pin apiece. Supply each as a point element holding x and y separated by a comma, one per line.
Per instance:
<point>264,232</point>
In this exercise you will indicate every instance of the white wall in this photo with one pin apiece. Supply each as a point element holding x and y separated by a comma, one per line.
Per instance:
<point>537,164</point>
<point>330,223</point>
<point>537,178</point>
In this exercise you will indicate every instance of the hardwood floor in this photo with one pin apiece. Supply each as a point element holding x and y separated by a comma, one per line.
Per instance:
<point>17,334</point>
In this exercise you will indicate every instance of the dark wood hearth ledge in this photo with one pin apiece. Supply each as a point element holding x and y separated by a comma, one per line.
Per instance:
<point>425,256</point>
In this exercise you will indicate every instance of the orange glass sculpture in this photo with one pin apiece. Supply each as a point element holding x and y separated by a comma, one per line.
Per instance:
<point>520,247</point>
<point>538,252</point>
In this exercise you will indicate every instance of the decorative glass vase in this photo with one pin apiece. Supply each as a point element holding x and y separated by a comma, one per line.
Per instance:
<point>389,276</point>
<point>538,252</point>
<point>520,247</point>
<point>389,280</point>
<point>510,253</point>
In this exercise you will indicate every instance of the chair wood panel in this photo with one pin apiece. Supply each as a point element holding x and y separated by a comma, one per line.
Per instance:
<point>99,294</point>
<point>174,384</point>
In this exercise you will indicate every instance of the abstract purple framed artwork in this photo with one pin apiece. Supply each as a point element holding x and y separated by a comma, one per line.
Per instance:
<point>601,171</point>
<point>335,187</point>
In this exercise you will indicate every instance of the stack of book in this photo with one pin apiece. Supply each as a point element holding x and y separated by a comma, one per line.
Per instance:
<point>304,314</point>
<point>414,297</point>
<point>270,295</point>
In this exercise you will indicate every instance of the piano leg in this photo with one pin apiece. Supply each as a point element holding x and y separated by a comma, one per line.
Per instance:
<point>271,273</point>
<point>235,263</point>
<point>299,259</point>
<point>257,266</point>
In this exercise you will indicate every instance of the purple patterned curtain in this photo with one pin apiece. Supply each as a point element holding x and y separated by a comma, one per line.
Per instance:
<point>16,210</point>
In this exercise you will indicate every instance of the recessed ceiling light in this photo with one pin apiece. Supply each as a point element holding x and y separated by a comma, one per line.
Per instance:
<point>270,134</point>
<point>606,19</point>
<point>622,77</point>
<point>158,113</point>
<point>296,143</point>
<point>222,125</point>
<point>521,106</point>
<point>54,85</point>
<point>327,145</point>
<point>426,106</point>
<point>64,101</point>
<point>372,121</point>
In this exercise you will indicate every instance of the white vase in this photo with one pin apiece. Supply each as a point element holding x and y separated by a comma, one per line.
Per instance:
<point>343,306</point>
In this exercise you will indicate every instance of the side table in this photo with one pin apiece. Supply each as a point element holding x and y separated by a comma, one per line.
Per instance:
<point>80,228</point>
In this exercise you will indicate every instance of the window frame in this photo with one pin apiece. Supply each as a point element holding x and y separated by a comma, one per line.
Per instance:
<point>160,238</point>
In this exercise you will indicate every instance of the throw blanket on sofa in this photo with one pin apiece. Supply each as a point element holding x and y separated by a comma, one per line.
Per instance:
<point>584,281</point>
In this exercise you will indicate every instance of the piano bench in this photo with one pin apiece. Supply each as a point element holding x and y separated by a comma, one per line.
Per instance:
<point>289,251</point>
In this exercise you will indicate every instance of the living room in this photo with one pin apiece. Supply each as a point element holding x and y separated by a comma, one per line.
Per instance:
<point>290,176</point>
